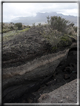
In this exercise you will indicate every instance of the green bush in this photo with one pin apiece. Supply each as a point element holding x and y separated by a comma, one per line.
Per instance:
<point>65,41</point>
<point>58,23</point>
<point>18,25</point>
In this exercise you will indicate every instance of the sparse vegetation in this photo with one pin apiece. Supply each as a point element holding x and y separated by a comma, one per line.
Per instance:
<point>65,41</point>
<point>14,27</point>
<point>58,23</point>
<point>56,31</point>
<point>10,34</point>
<point>29,59</point>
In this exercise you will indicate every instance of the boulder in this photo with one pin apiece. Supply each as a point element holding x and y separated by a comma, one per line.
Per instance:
<point>64,94</point>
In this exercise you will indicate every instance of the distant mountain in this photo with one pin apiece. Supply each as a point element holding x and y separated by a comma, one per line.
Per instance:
<point>42,18</point>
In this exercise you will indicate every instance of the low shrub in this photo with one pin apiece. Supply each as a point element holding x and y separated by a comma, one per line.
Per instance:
<point>19,26</point>
<point>58,23</point>
<point>64,41</point>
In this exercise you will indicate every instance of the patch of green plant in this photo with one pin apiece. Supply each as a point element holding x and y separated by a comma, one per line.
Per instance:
<point>26,29</point>
<point>6,30</point>
<point>58,23</point>
<point>54,48</point>
<point>65,38</point>
<point>8,35</point>
<point>65,41</point>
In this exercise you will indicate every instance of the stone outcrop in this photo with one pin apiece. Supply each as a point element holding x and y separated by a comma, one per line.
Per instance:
<point>29,77</point>
<point>26,76</point>
<point>28,63</point>
<point>64,94</point>
<point>54,58</point>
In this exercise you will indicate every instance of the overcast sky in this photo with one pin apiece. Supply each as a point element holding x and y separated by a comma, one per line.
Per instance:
<point>15,10</point>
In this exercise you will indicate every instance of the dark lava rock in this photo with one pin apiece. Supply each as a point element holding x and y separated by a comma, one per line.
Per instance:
<point>28,63</point>
<point>20,88</point>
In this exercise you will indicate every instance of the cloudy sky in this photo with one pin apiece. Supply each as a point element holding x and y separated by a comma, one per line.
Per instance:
<point>15,10</point>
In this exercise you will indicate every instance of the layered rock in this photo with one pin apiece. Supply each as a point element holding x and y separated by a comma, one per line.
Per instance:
<point>24,79</point>
<point>64,94</point>
<point>28,63</point>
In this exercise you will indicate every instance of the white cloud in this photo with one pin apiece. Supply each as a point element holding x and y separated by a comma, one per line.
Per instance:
<point>70,12</point>
<point>13,10</point>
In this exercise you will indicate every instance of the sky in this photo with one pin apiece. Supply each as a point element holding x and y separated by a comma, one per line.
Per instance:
<point>14,10</point>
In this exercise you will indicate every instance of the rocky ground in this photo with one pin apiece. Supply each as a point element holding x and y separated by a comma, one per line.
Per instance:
<point>31,69</point>
<point>64,94</point>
